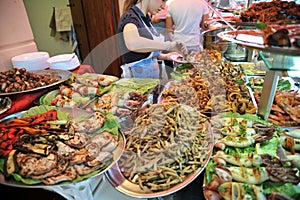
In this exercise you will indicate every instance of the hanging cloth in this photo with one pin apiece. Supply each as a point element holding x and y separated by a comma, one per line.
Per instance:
<point>61,23</point>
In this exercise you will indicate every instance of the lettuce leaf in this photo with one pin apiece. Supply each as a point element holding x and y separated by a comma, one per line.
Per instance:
<point>111,125</point>
<point>284,85</point>
<point>44,108</point>
<point>2,160</point>
<point>30,181</point>
<point>268,147</point>
<point>17,177</point>
<point>27,181</point>
<point>288,189</point>
<point>142,85</point>
<point>209,171</point>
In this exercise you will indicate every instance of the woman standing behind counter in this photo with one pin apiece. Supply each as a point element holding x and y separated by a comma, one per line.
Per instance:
<point>140,43</point>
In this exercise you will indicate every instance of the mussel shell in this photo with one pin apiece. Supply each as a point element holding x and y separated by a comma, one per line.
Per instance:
<point>5,104</point>
<point>297,43</point>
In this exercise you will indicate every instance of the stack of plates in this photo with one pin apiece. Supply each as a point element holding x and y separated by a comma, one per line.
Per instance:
<point>31,61</point>
<point>64,62</point>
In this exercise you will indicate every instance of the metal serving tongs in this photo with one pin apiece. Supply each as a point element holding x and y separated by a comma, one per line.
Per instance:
<point>221,17</point>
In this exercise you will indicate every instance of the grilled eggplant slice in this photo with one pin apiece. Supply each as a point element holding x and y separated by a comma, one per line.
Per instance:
<point>10,165</point>
<point>42,149</point>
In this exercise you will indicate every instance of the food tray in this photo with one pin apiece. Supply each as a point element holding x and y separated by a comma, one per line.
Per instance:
<point>250,69</point>
<point>116,178</point>
<point>251,42</point>
<point>74,113</point>
<point>63,74</point>
<point>242,169</point>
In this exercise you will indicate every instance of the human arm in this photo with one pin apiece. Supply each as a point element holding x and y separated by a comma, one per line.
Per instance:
<point>169,28</point>
<point>134,42</point>
<point>204,22</point>
<point>155,19</point>
<point>159,16</point>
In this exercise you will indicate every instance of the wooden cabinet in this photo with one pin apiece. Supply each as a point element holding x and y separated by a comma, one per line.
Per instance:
<point>96,23</point>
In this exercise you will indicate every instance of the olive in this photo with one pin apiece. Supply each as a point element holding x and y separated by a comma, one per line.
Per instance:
<point>293,17</point>
<point>297,43</point>
<point>282,12</point>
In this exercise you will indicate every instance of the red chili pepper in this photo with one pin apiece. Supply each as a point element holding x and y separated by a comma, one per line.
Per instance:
<point>12,125</point>
<point>11,133</point>
<point>11,136</point>
<point>3,145</point>
<point>38,120</point>
<point>49,115</point>
<point>7,143</point>
<point>5,152</point>
<point>5,137</point>
<point>20,132</point>
<point>15,139</point>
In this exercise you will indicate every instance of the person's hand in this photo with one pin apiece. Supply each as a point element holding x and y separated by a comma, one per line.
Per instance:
<point>168,56</point>
<point>182,47</point>
<point>178,46</point>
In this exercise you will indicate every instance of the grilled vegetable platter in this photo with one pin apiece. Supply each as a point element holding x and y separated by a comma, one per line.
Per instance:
<point>46,146</point>
<point>252,159</point>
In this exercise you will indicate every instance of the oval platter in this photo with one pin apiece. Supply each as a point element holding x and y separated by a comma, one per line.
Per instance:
<point>73,112</point>
<point>116,178</point>
<point>63,74</point>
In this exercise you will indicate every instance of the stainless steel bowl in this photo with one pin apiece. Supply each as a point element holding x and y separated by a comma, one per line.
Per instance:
<point>230,50</point>
<point>235,52</point>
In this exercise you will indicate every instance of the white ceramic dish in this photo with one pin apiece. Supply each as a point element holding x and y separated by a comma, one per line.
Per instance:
<point>31,61</point>
<point>63,62</point>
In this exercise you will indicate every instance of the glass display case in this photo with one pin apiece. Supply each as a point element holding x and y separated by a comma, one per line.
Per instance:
<point>279,65</point>
<point>279,60</point>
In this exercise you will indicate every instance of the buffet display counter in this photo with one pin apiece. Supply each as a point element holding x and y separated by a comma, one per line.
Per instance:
<point>211,89</point>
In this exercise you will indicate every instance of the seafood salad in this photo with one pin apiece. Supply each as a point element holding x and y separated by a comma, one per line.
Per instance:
<point>251,161</point>
<point>49,148</point>
<point>167,144</point>
<point>285,110</point>
<point>211,86</point>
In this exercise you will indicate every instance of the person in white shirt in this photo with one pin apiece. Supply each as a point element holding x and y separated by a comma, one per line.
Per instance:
<point>184,20</point>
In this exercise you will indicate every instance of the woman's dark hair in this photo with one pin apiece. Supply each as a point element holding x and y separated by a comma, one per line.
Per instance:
<point>128,4</point>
